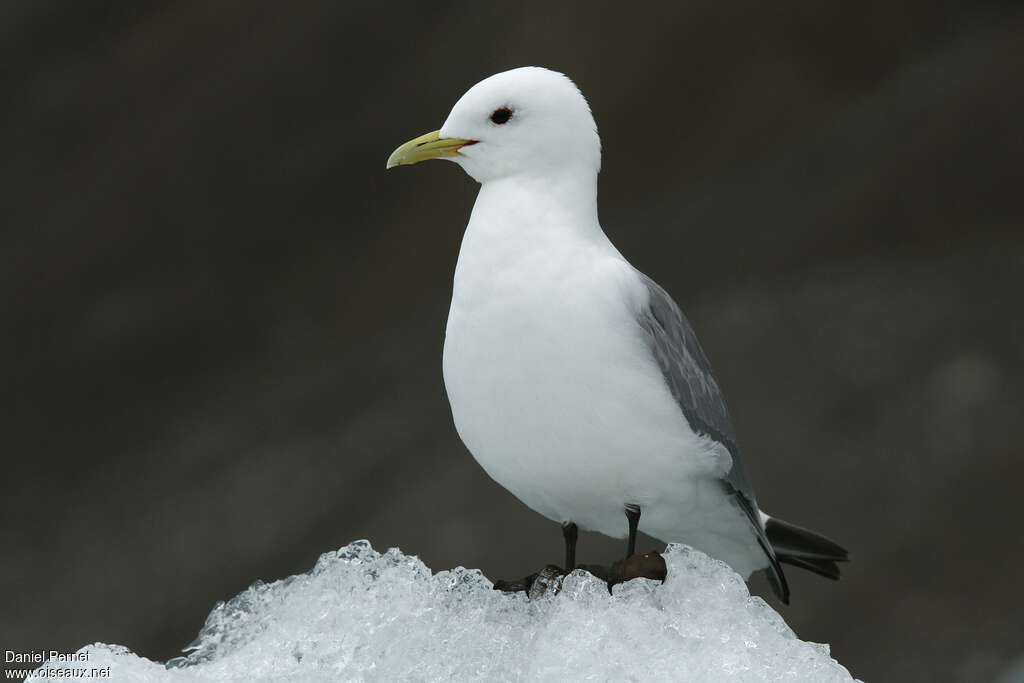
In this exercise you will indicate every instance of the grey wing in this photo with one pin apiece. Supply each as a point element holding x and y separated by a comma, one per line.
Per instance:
<point>692,382</point>
<point>688,373</point>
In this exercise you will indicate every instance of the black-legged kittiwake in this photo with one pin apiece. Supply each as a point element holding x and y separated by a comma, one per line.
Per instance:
<point>574,379</point>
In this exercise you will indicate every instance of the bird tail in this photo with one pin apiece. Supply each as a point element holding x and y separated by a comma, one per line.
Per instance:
<point>803,548</point>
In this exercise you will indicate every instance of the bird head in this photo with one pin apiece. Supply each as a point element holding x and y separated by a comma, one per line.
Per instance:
<point>527,121</point>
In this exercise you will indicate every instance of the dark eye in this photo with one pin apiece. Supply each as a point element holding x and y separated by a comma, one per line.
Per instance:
<point>500,116</point>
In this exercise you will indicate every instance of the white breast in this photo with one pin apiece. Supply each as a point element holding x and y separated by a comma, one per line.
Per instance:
<point>551,387</point>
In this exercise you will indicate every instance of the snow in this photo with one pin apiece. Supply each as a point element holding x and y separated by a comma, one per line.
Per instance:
<point>360,615</point>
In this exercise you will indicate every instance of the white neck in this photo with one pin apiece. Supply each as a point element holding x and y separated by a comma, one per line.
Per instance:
<point>533,225</point>
<point>541,208</point>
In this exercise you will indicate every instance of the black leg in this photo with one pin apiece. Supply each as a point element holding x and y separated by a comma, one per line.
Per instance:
<point>569,533</point>
<point>549,574</point>
<point>633,515</point>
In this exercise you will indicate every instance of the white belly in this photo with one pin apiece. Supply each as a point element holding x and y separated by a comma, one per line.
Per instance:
<point>554,395</point>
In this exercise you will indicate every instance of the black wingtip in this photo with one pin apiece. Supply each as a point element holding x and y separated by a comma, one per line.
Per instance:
<point>776,577</point>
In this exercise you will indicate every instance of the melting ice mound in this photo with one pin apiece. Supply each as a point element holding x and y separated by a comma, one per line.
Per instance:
<point>361,615</point>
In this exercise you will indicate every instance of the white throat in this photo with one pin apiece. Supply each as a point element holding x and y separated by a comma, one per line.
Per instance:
<point>526,232</point>
<point>542,208</point>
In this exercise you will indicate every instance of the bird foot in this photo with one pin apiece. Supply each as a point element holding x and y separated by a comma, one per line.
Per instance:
<point>515,585</point>
<point>536,584</point>
<point>549,579</point>
<point>649,566</point>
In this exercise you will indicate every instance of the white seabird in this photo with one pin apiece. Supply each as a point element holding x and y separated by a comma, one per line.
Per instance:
<point>574,379</point>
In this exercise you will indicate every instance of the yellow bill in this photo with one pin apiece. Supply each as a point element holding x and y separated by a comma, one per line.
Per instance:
<point>429,146</point>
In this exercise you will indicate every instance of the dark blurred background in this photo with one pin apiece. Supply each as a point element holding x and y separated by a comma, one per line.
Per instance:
<point>222,320</point>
